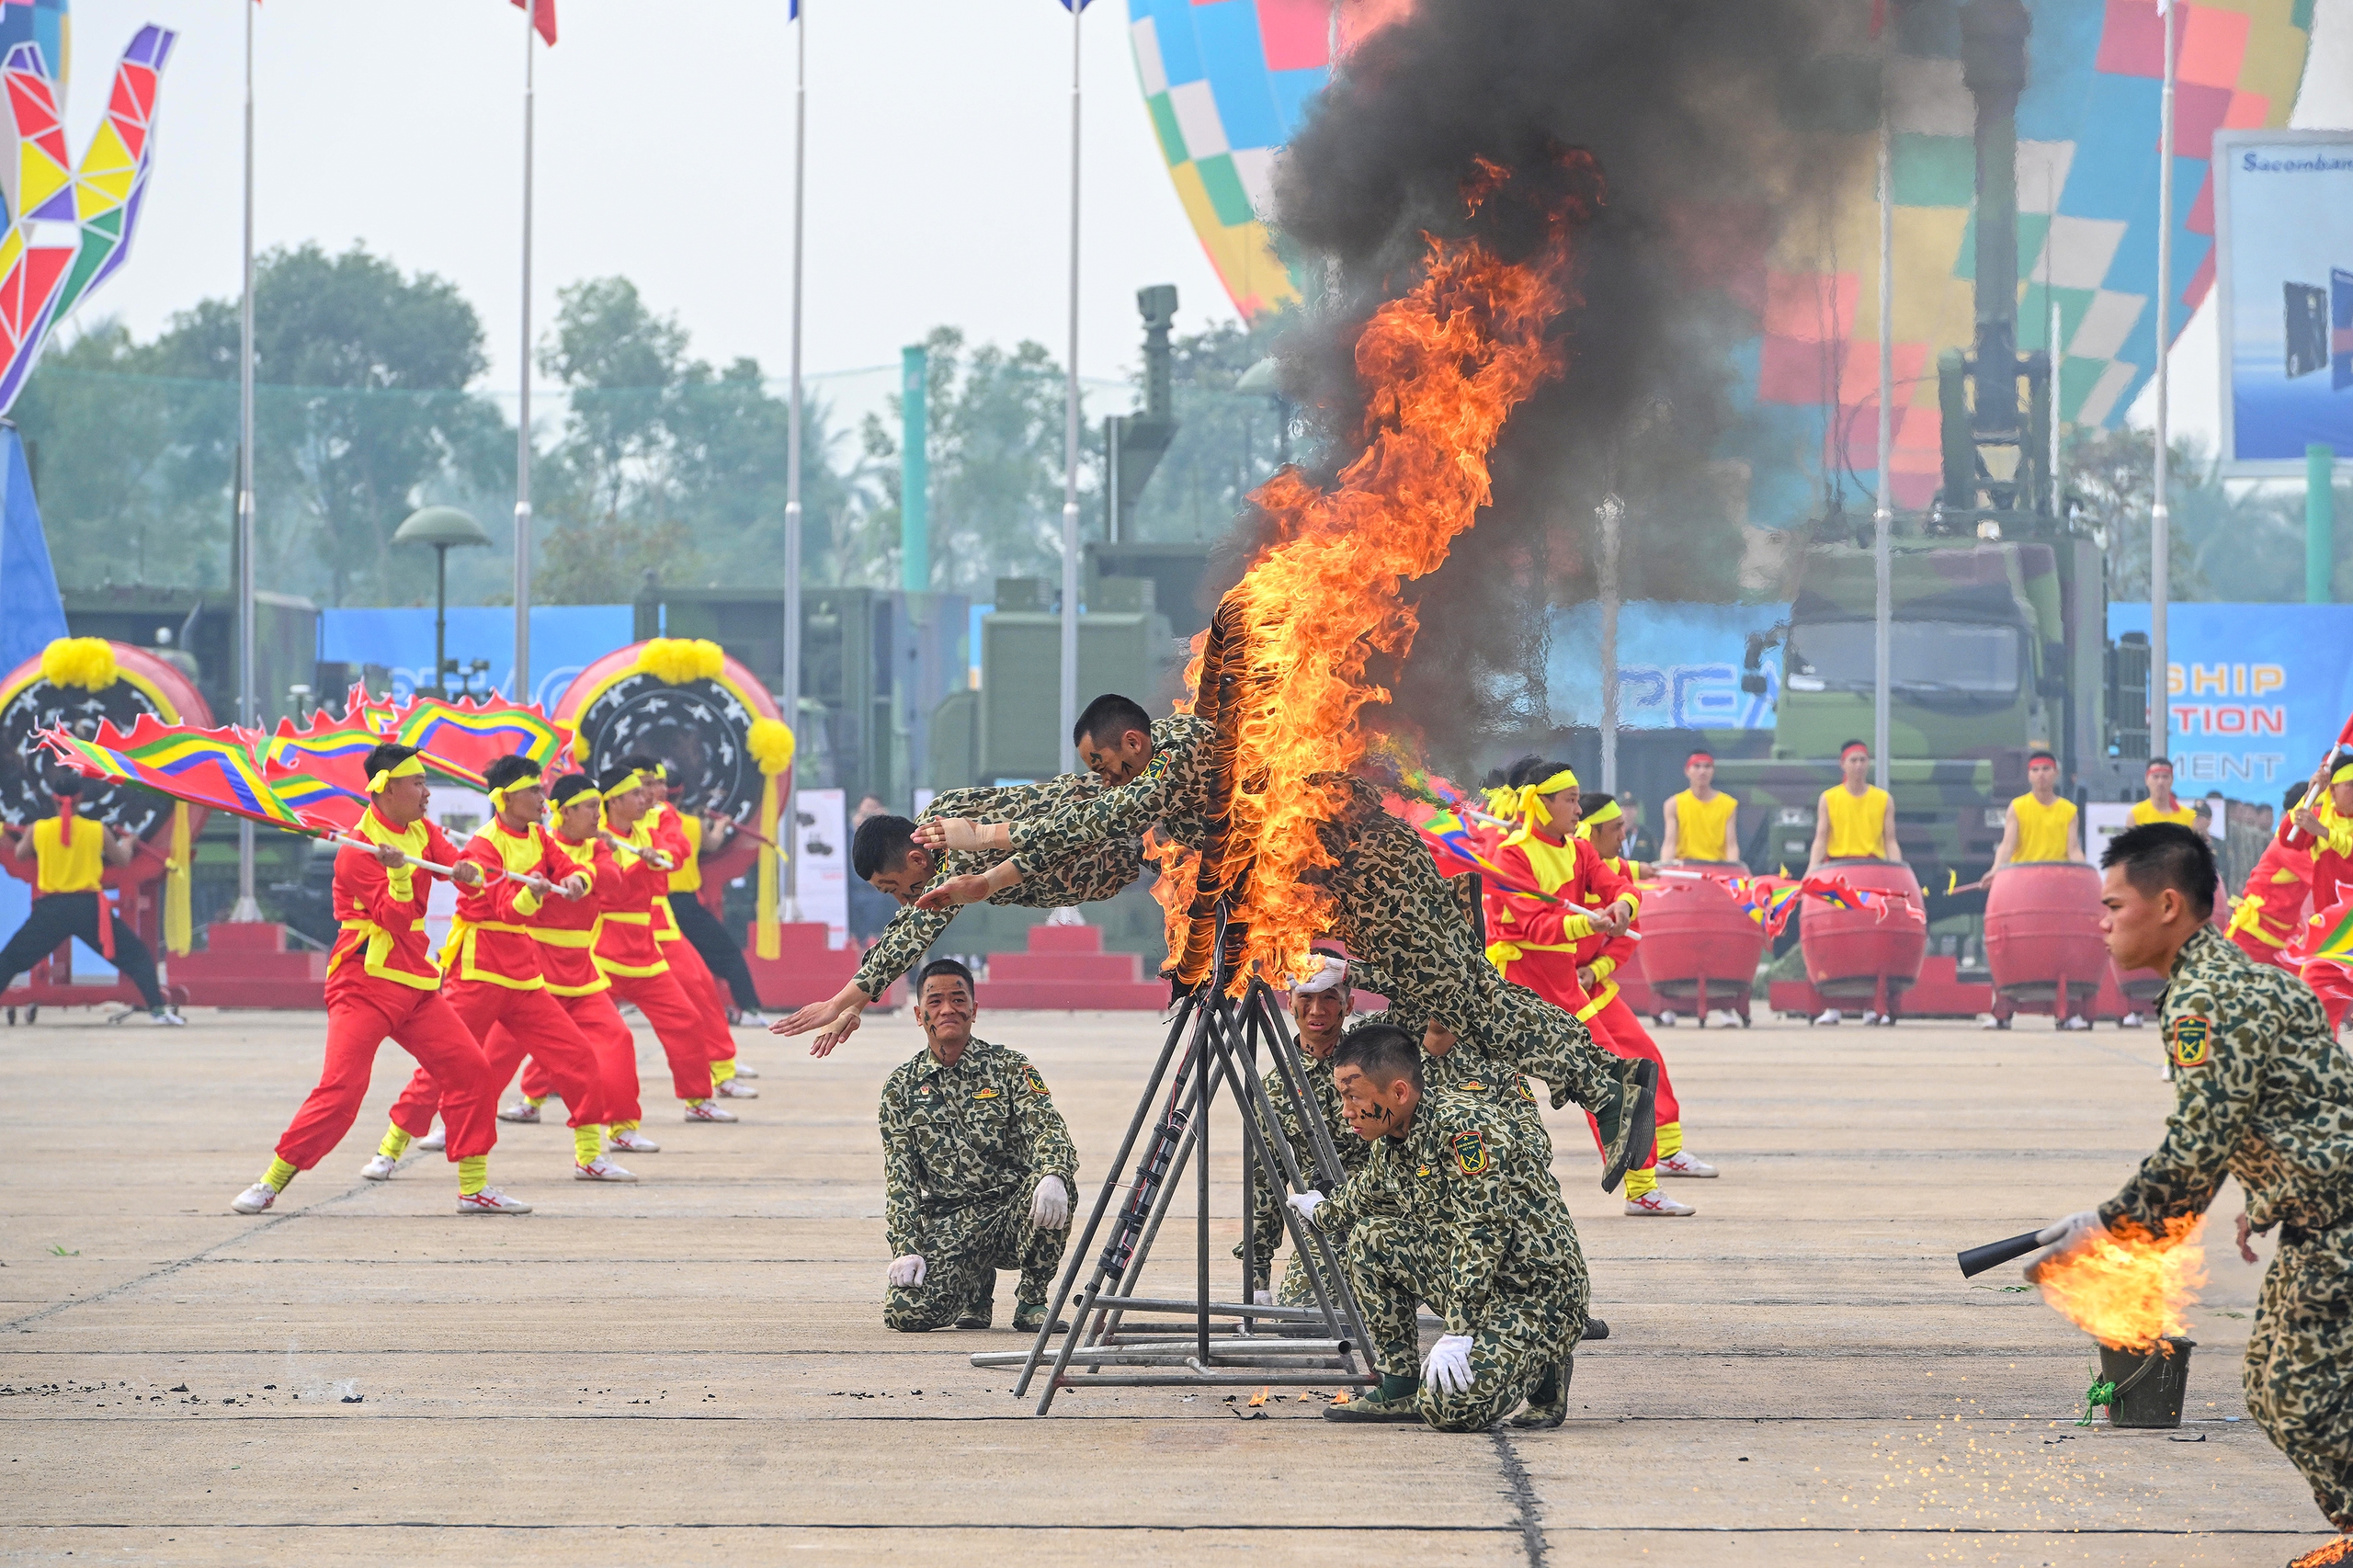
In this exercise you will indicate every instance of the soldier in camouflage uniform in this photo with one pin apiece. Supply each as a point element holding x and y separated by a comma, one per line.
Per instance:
<point>1389,905</point>
<point>1468,1218</point>
<point>2261,1093</point>
<point>978,1171</point>
<point>884,854</point>
<point>1320,1006</point>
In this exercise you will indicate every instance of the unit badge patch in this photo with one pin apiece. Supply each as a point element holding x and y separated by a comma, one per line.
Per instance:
<point>2189,1038</point>
<point>1469,1153</point>
<point>1029,1078</point>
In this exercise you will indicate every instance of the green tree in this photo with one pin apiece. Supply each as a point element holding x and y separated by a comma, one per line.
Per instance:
<point>1228,442</point>
<point>2239,543</point>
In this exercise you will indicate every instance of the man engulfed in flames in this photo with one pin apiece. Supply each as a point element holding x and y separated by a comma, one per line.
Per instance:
<point>2262,1093</point>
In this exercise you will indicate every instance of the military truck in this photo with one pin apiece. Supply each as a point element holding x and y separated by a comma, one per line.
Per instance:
<point>1998,638</point>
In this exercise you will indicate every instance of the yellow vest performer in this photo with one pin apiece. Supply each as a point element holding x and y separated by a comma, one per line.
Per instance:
<point>70,855</point>
<point>2161,805</point>
<point>1854,820</point>
<point>2040,827</point>
<point>1700,820</point>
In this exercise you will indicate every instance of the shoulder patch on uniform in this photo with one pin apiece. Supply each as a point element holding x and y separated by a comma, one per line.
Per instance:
<point>1157,769</point>
<point>2188,1038</point>
<point>1469,1152</point>
<point>1032,1082</point>
<point>1525,1092</point>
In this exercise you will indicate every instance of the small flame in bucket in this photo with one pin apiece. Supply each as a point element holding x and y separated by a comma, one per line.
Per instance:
<point>2129,1291</point>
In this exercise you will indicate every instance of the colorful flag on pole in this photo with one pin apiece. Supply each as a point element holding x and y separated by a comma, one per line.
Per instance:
<point>543,16</point>
<point>322,771</point>
<point>462,739</point>
<point>214,768</point>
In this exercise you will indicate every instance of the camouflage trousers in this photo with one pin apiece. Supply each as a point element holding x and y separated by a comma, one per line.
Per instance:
<point>1520,1339</point>
<point>962,1251</point>
<point>2298,1375</point>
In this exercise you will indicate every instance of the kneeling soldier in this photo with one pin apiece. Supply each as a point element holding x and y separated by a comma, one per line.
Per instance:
<point>2261,1092</point>
<point>1483,1237</point>
<point>978,1171</point>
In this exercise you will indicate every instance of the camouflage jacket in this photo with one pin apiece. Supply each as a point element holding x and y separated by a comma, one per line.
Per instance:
<point>1177,790</point>
<point>982,1129</point>
<point>2261,1092</point>
<point>1484,1218</point>
<point>1265,1215</point>
<point>1097,870</point>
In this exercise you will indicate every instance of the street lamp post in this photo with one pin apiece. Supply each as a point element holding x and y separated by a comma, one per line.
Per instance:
<point>445,528</point>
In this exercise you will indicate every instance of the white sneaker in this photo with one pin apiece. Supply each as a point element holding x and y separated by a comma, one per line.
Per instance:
<point>380,1167</point>
<point>709,1110</point>
<point>633,1143</point>
<point>601,1169</point>
<point>1870,1017</point>
<point>2075,1022</point>
<point>752,1020</point>
<point>1827,1015</point>
<point>490,1200</point>
<point>2129,1021</point>
<point>1990,1022</point>
<point>1666,1021</point>
<point>1658,1203</point>
<point>437,1140</point>
<point>732,1090</point>
<point>255,1199</point>
<point>1682,1163</point>
<point>521,1110</point>
<point>167,1018</point>
<point>744,1071</point>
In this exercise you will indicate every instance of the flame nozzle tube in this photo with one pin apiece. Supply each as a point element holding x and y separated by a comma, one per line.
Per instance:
<point>1977,1260</point>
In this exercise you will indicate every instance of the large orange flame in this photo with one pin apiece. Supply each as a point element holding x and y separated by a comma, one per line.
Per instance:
<point>2129,1291</point>
<point>1444,366</point>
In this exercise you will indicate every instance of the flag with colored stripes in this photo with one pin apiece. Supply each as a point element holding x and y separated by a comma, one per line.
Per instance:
<point>2329,937</point>
<point>214,768</point>
<point>322,771</point>
<point>462,739</point>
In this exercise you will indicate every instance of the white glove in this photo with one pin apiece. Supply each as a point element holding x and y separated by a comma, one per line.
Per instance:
<point>1050,1205</point>
<point>2065,1236</point>
<point>1262,1297</point>
<point>1306,1203</point>
<point>1447,1369</point>
<point>906,1271</point>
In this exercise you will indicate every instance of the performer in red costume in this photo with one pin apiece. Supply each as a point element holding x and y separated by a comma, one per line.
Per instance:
<point>383,982</point>
<point>2325,820</point>
<point>566,933</point>
<point>2267,915</point>
<point>1540,944</point>
<point>695,983</point>
<point>495,977</point>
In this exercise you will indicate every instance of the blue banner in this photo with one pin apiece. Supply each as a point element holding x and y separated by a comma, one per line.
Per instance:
<point>2258,692</point>
<point>1678,666</point>
<point>565,640</point>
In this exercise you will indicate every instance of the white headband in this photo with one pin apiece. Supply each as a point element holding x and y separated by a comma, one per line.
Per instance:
<point>1334,972</point>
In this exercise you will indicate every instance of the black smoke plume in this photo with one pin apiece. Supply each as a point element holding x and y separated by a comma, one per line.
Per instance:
<point>1717,125</point>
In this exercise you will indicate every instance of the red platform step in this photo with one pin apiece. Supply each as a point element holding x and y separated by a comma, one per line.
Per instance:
<point>806,969</point>
<point>246,965</point>
<point>1066,968</point>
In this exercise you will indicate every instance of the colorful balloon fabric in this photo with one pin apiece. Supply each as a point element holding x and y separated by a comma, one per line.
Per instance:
<point>67,230</point>
<point>1227,83</point>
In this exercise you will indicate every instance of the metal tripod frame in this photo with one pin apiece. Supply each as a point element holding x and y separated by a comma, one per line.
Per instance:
<point>1220,1036</point>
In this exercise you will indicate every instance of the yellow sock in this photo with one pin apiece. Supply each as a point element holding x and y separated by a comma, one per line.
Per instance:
<point>473,1175</point>
<point>588,1143</point>
<point>1640,1183</point>
<point>721,1071</point>
<point>395,1143</point>
<point>1670,1140</point>
<point>278,1173</point>
<point>615,1129</point>
<point>535,1100</point>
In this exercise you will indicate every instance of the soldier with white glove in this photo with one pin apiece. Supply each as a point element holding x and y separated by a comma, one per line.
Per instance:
<point>978,1171</point>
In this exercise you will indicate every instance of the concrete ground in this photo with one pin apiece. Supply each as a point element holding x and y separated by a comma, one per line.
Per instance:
<point>694,1369</point>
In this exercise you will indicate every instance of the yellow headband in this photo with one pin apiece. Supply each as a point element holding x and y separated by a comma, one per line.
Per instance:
<point>1607,812</point>
<point>1531,805</point>
<point>499,796</point>
<point>407,768</point>
<point>2341,774</point>
<point>587,793</point>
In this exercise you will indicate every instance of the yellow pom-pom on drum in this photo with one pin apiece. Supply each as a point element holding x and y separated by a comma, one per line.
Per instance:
<point>677,660</point>
<point>85,662</point>
<point>771,743</point>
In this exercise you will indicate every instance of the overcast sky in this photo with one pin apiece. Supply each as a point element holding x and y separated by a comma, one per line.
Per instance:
<point>938,140</point>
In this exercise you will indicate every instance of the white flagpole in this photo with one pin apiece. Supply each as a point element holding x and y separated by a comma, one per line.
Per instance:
<point>249,909</point>
<point>523,407</point>
<point>1070,433</point>
<point>791,682</point>
<point>2160,509</point>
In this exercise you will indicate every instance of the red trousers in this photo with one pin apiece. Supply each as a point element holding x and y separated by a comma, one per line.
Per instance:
<point>1617,1030</point>
<point>678,1024</point>
<point>532,1016</point>
<point>701,989</point>
<point>596,1017</point>
<point>362,1012</point>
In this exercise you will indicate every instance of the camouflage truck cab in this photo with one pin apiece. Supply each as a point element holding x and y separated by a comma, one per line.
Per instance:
<point>1995,650</point>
